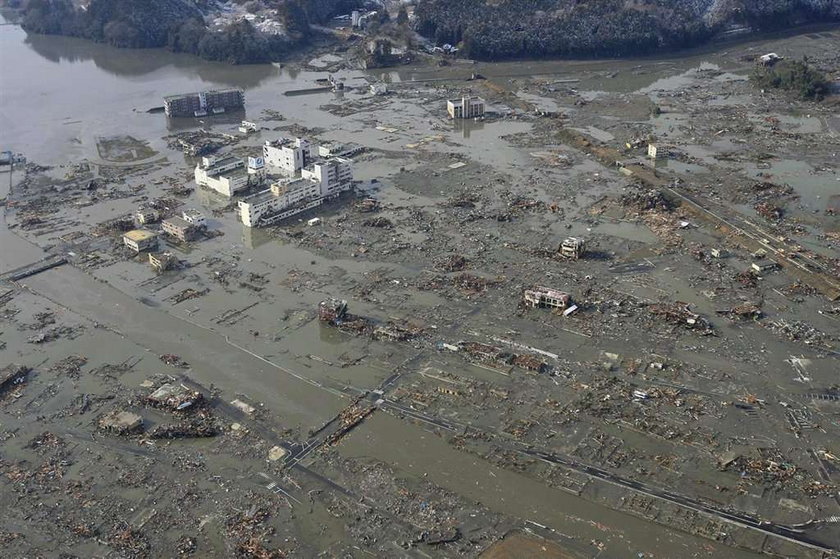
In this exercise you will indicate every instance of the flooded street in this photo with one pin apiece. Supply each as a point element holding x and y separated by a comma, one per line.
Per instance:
<point>650,421</point>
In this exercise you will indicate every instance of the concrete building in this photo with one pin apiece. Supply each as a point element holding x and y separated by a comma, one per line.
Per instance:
<point>257,171</point>
<point>162,261</point>
<point>763,266</point>
<point>194,217</point>
<point>287,156</point>
<point>320,181</point>
<point>248,127</point>
<point>334,175</point>
<point>279,202</point>
<point>140,240</point>
<point>179,228</point>
<point>573,247</point>
<point>547,297</point>
<point>147,215</point>
<point>204,103</point>
<point>227,175</point>
<point>465,107</point>
<point>336,149</point>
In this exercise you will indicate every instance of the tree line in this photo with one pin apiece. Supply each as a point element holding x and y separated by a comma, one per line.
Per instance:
<point>538,28</point>
<point>179,26</point>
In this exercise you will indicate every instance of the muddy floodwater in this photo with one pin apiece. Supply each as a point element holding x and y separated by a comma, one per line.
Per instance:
<point>686,407</point>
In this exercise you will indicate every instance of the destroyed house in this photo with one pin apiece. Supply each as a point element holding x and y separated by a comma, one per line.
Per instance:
<point>11,376</point>
<point>174,397</point>
<point>332,310</point>
<point>545,297</point>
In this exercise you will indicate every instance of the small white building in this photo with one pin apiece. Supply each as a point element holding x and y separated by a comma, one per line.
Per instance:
<point>465,107</point>
<point>227,176</point>
<point>379,88</point>
<point>248,127</point>
<point>770,58</point>
<point>194,217</point>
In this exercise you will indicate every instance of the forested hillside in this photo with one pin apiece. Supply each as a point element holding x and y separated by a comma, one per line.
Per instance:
<point>493,29</point>
<point>179,25</point>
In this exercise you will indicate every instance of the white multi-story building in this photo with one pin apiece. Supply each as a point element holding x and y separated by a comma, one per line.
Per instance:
<point>465,107</point>
<point>319,181</point>
<point>287,156</point>
<point>333,175</point>
<point>226,176</point>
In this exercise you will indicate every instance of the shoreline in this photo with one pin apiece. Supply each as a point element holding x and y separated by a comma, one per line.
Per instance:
<point>323,41</point>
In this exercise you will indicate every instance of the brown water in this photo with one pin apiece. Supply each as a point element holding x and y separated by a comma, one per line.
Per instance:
<point>57,95</point>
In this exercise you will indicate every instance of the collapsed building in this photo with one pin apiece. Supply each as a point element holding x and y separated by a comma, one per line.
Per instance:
<point>174,397</point>
<point>11,376</point>
<point>679,313</point>
<point>545,297</point>
<point>332,310</point>
<point>494,355</point>
<point>145,216</point>
<point>573,248</point>
<point>162,261</point>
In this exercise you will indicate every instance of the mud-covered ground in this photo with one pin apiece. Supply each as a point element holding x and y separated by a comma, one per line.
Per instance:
<point>688,408</point>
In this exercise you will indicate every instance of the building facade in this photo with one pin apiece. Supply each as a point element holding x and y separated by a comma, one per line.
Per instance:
<point>162,261</point>
<point>320,181</point>
<point>227,176</point>
<point>147,215</point>
<point>546,297</point>
<point>204,103</point>
<point>465,107</point>
<point>194,217</point>
<point>287,156</point>
<point>179,228</point>
<point>140,240</point>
